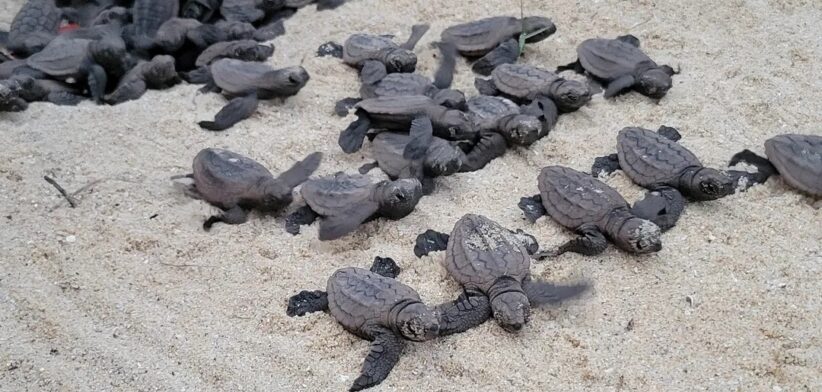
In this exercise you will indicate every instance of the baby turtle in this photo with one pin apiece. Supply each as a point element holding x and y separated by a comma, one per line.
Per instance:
<point>376,308</point>
<point>493,265</point>
<point>245,83</point>
<point>10,91</point>
<point>495,39</point>
<point>396,114</point>
<point>248,11</point>
<point>148,16</point>
<point>81,59</point>
<point>34,26</point>
<point>797,158</point>
<point>176,32</point>
<point>344,201</point>
<point>237,184</point>
<point>524,83</point>
<point>593,209</point>
<point>622,65</point>
<point>668,170</point>
<point>159,73</point>
<point>246,50</point>
<point>201,10</point>
<point>501,115</point>
<point>360,48</point>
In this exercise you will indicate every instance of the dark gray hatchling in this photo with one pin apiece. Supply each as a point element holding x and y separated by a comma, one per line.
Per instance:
<point>34,26</point>
<point>200,10</point>
<point>377,82</point>
<point>245,83</point>
<point>238,184</point>
<point>669,170</point>
<point>622,65</point>
<point>246,50</point>
<point>497,114</point>
<point>248,11</point>
<point>494,40</point>
<point>147,17</point>
<point>591,208</point>
<point>159,73</point>
<point>396,114</point>
<point>80,59</point>
<point>797,158</point>
<point>176,32</point>
<point>360,48</point>
<point>10,94</point>
<point>524,83</point>
<point>344,201</point>
<point>493,265</point>
<point>376,308</point>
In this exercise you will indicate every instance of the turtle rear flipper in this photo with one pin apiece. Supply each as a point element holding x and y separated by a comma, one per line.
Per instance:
<point>467,311</point>
<point>542,293</point>
<point>384,355</point>
<point>238,109</point>
<point>336,226</point>
<point>300,172</point>
<point>422,134</point>
<point>506,53</point>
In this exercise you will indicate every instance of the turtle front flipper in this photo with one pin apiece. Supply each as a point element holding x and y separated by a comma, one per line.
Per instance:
<point>232,216</point>
<point>505,53</point>
<point>417,32</point>
<point>422,134</point>
<point>542,293</point>
<point>127,92</point>
<point>662,206</point>
<point>490,146</point>
<point>545,109</point>
<point>591,243</point>
<point>620,85</point>
<point>605,165</point>
<point>486,86</point>
<point>532,207</point>
<point>303,216</point>
<point>307,302</point>
<point>96,79</point>
<point>372,72</point>
<point>629,39</point>
<point>765,169</point>
<point>300,171</point>
<point>469,310</point>
<point>444,75</point>
<point>337,226</point>
<point>384,355</point>
<point>342,106</point>
<point>238,109</point>
<point>351,138</point>
<point>669,132</point>
<point>430,241</point>
<point>576,66</point>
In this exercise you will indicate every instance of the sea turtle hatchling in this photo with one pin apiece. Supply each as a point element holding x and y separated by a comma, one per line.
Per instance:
<point>237,184</point>
<point>495,39</point>
<point>34,26</point>
<point>359,48</point>
<point>246,50</point>
<point>344,201</point>
<point>245,83</point>
<point>159,73</point>
<point>493,265</point>
<point>670,171</point>
<point>201,10</point>
<point>396,114</point>
<point>797,158</point>
<point>376,308</point>
<point>147,17</point>
<point>501,115</point>
<point>593,209</point>
<point>524,83</point>
<point>622,65</point>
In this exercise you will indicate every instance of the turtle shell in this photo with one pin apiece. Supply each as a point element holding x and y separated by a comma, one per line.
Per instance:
<point>396,105</point>
<point>799,160</point>
<point>651,159</point>
<point>208,7</point>
<point>485,110</point>
<point>172,34</point>
<point>480,251</point>
<point>237,76</point>
<point>479,37</point>
<point>35,16</point>
<point>61,57</point>
<point>522,81</point>
<point>441,158</point>
<point>398,84</point>
<point>149,15</point>
<point>573,198</point>
<point>241,11</point>
<point>225,178</point>
<point>333,194</point>
<point>361,47</point>
<point>360,299</point>
<point>608,59</point>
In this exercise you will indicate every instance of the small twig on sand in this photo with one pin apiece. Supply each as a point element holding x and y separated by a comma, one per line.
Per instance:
<point>186,265</point>
<point>77,192</point>
<point>641,23</point>
<point>72,202</point>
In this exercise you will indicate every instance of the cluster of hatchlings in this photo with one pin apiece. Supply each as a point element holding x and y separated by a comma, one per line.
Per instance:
<point>419,128</point>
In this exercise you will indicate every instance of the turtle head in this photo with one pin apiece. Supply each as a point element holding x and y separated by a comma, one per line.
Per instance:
<point>285,82</point>
<point>400,60</point>
<point>509,304</point>
<point>398,198</point>
<point>161,71</point>
<point>654,82</point>
<point>570,95</point>
<point>521,129</point>
<point>417,322</point>
<point>639,236</point>
<point>253,52</point>
<point>457,125</point>
<point>271,5</point>
<point>109,52</point>
<point>532,24</point>
<point>710,184</point>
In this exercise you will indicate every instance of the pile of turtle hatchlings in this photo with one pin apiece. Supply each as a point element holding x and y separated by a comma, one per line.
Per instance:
<point>419,128</point>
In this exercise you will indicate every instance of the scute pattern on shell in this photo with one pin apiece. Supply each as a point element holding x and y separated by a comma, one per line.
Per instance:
<point>399,84</point>
<point>149,15</point>
<point>358,298</point>
<point>649,158</point>
<point>401,105</point>
<point>61,57</point>
<point>485,110</point>
<point>236,76</point>
<point>226,174</point>
<point>522,81</point>
<point>609,59</point>
<point>360,47</point>
<point>36,16</point>
<point>573,198</point>
<point>480,36</point>
<point>330,194</point>
<point>480,251</point>
<point>798,159</point>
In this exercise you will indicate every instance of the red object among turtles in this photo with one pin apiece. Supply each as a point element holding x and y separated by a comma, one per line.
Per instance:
<point>68,27</point>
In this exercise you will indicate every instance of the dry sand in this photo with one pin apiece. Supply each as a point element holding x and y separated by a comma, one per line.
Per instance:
<point>103,297</point>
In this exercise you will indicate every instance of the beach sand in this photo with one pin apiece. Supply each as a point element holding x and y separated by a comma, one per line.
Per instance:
<point>126,292</point>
